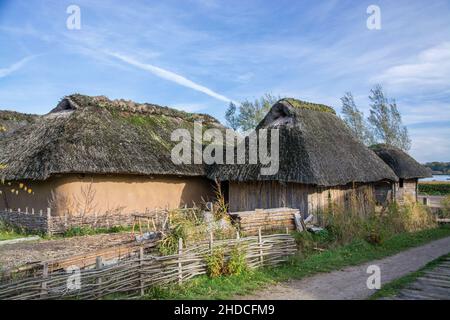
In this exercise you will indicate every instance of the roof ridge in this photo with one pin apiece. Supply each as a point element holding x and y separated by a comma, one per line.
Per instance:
<point>301,104</point>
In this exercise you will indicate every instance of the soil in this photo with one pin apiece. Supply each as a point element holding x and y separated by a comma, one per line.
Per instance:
<point>18,254</point>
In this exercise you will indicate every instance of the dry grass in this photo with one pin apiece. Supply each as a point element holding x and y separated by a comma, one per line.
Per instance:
<point>348,224</point>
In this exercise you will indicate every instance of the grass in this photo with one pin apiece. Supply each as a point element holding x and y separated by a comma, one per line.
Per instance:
<point>312,262</point>
<point>394,287</point>
<point>88,231</point>
<point>8,233</point>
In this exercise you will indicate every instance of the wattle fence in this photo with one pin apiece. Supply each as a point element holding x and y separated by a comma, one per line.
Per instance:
<point>135,275</point>
<point>44,222</point>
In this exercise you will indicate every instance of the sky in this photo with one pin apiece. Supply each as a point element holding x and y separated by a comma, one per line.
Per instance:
<point>198,55</point>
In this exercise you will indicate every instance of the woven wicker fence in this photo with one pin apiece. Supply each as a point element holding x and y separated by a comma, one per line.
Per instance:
<point>135,275</point>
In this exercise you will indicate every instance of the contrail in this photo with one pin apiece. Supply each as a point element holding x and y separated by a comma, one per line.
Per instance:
<point>169,75</point>
<point>14,67</point>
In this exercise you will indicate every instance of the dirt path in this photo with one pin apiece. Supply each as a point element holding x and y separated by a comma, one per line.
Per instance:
<point>350,282</point>
<point>18,254</point>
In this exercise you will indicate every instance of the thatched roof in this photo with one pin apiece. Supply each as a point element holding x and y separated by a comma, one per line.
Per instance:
<point>96,135</point>
<point>404,166</point>
<point>11,120</point>
<point>316,147</point>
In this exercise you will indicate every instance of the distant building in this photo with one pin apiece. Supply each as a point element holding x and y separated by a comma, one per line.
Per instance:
<point>408,170</point>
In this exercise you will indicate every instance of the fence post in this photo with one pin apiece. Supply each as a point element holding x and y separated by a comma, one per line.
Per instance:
<point>98,267</point>
<point>49,221</point>
<point>180,266</point>
<point>141,266</point>
<point>211,240</point>
<point>260,242</point>
<point>44,289</point>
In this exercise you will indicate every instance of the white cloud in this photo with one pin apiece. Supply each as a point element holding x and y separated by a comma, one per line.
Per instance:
<point>430,69</point>
<point>14,67</point>
<point>430,144</point>
<point>169,75</point>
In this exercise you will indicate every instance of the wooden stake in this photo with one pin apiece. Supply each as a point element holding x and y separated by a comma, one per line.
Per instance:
<point>141,264</point>
<point>44,290</point>
<point>99,266</point>
<point>211,239</point>
<point>261,256</point>
<point>180,266</point>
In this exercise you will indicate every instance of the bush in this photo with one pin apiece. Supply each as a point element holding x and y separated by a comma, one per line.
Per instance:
<point>445,212</point>
<point>237,263</point>
<point>409,217</point>
<point>215,263</point>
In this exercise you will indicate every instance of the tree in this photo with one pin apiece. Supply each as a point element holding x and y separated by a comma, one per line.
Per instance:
<point>386,120</point>
<point>249,113</point>
<point>354,118</point>
<point>231,118</point>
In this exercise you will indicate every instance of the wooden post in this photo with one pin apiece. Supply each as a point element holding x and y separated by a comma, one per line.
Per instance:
<point>261,256</point>
<point>99,266</point>
<point>211,239</point>
<point>44,290</point>
<point>141,265</point>
<point>287,230</point>
<point>49,221</point>
<point>180,266</point>
<point>425,201</point>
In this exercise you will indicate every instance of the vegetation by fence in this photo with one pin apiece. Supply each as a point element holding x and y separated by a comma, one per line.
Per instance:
<point>135,275</point>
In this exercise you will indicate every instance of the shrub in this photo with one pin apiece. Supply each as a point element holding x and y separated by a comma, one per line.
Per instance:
<point>237,263</point>
<point>215,263</point>
<point>445,212</point>
<point>409,217</point>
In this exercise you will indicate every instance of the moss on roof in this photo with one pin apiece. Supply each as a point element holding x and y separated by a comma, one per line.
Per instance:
<point>308,105</point>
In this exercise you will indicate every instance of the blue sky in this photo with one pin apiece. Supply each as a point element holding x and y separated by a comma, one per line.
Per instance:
<point>197,55</point>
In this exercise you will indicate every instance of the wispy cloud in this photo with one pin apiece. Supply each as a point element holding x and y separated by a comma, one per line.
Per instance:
<point>429,69</point>
<point>169,75</point>
<point>14,67</point>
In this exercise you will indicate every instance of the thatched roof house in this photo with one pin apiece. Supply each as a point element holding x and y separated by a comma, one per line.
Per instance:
<point>407,169</point>
<point>319,161</point>
<point>119,147</point>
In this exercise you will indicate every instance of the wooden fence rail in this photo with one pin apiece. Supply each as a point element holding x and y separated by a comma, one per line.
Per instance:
<point>135,275</point>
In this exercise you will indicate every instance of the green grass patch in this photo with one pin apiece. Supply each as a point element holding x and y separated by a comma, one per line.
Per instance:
<point>88,231</point>
<point>434,189</point>
<point>309,262</point>
<point>9,233</point>
<point>394,287</point>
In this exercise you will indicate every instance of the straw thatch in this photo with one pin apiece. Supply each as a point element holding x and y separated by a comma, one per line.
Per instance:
<point>404,166</point>
<point>11,121</point>
<point>96,135</point>
<point>316,148</point>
